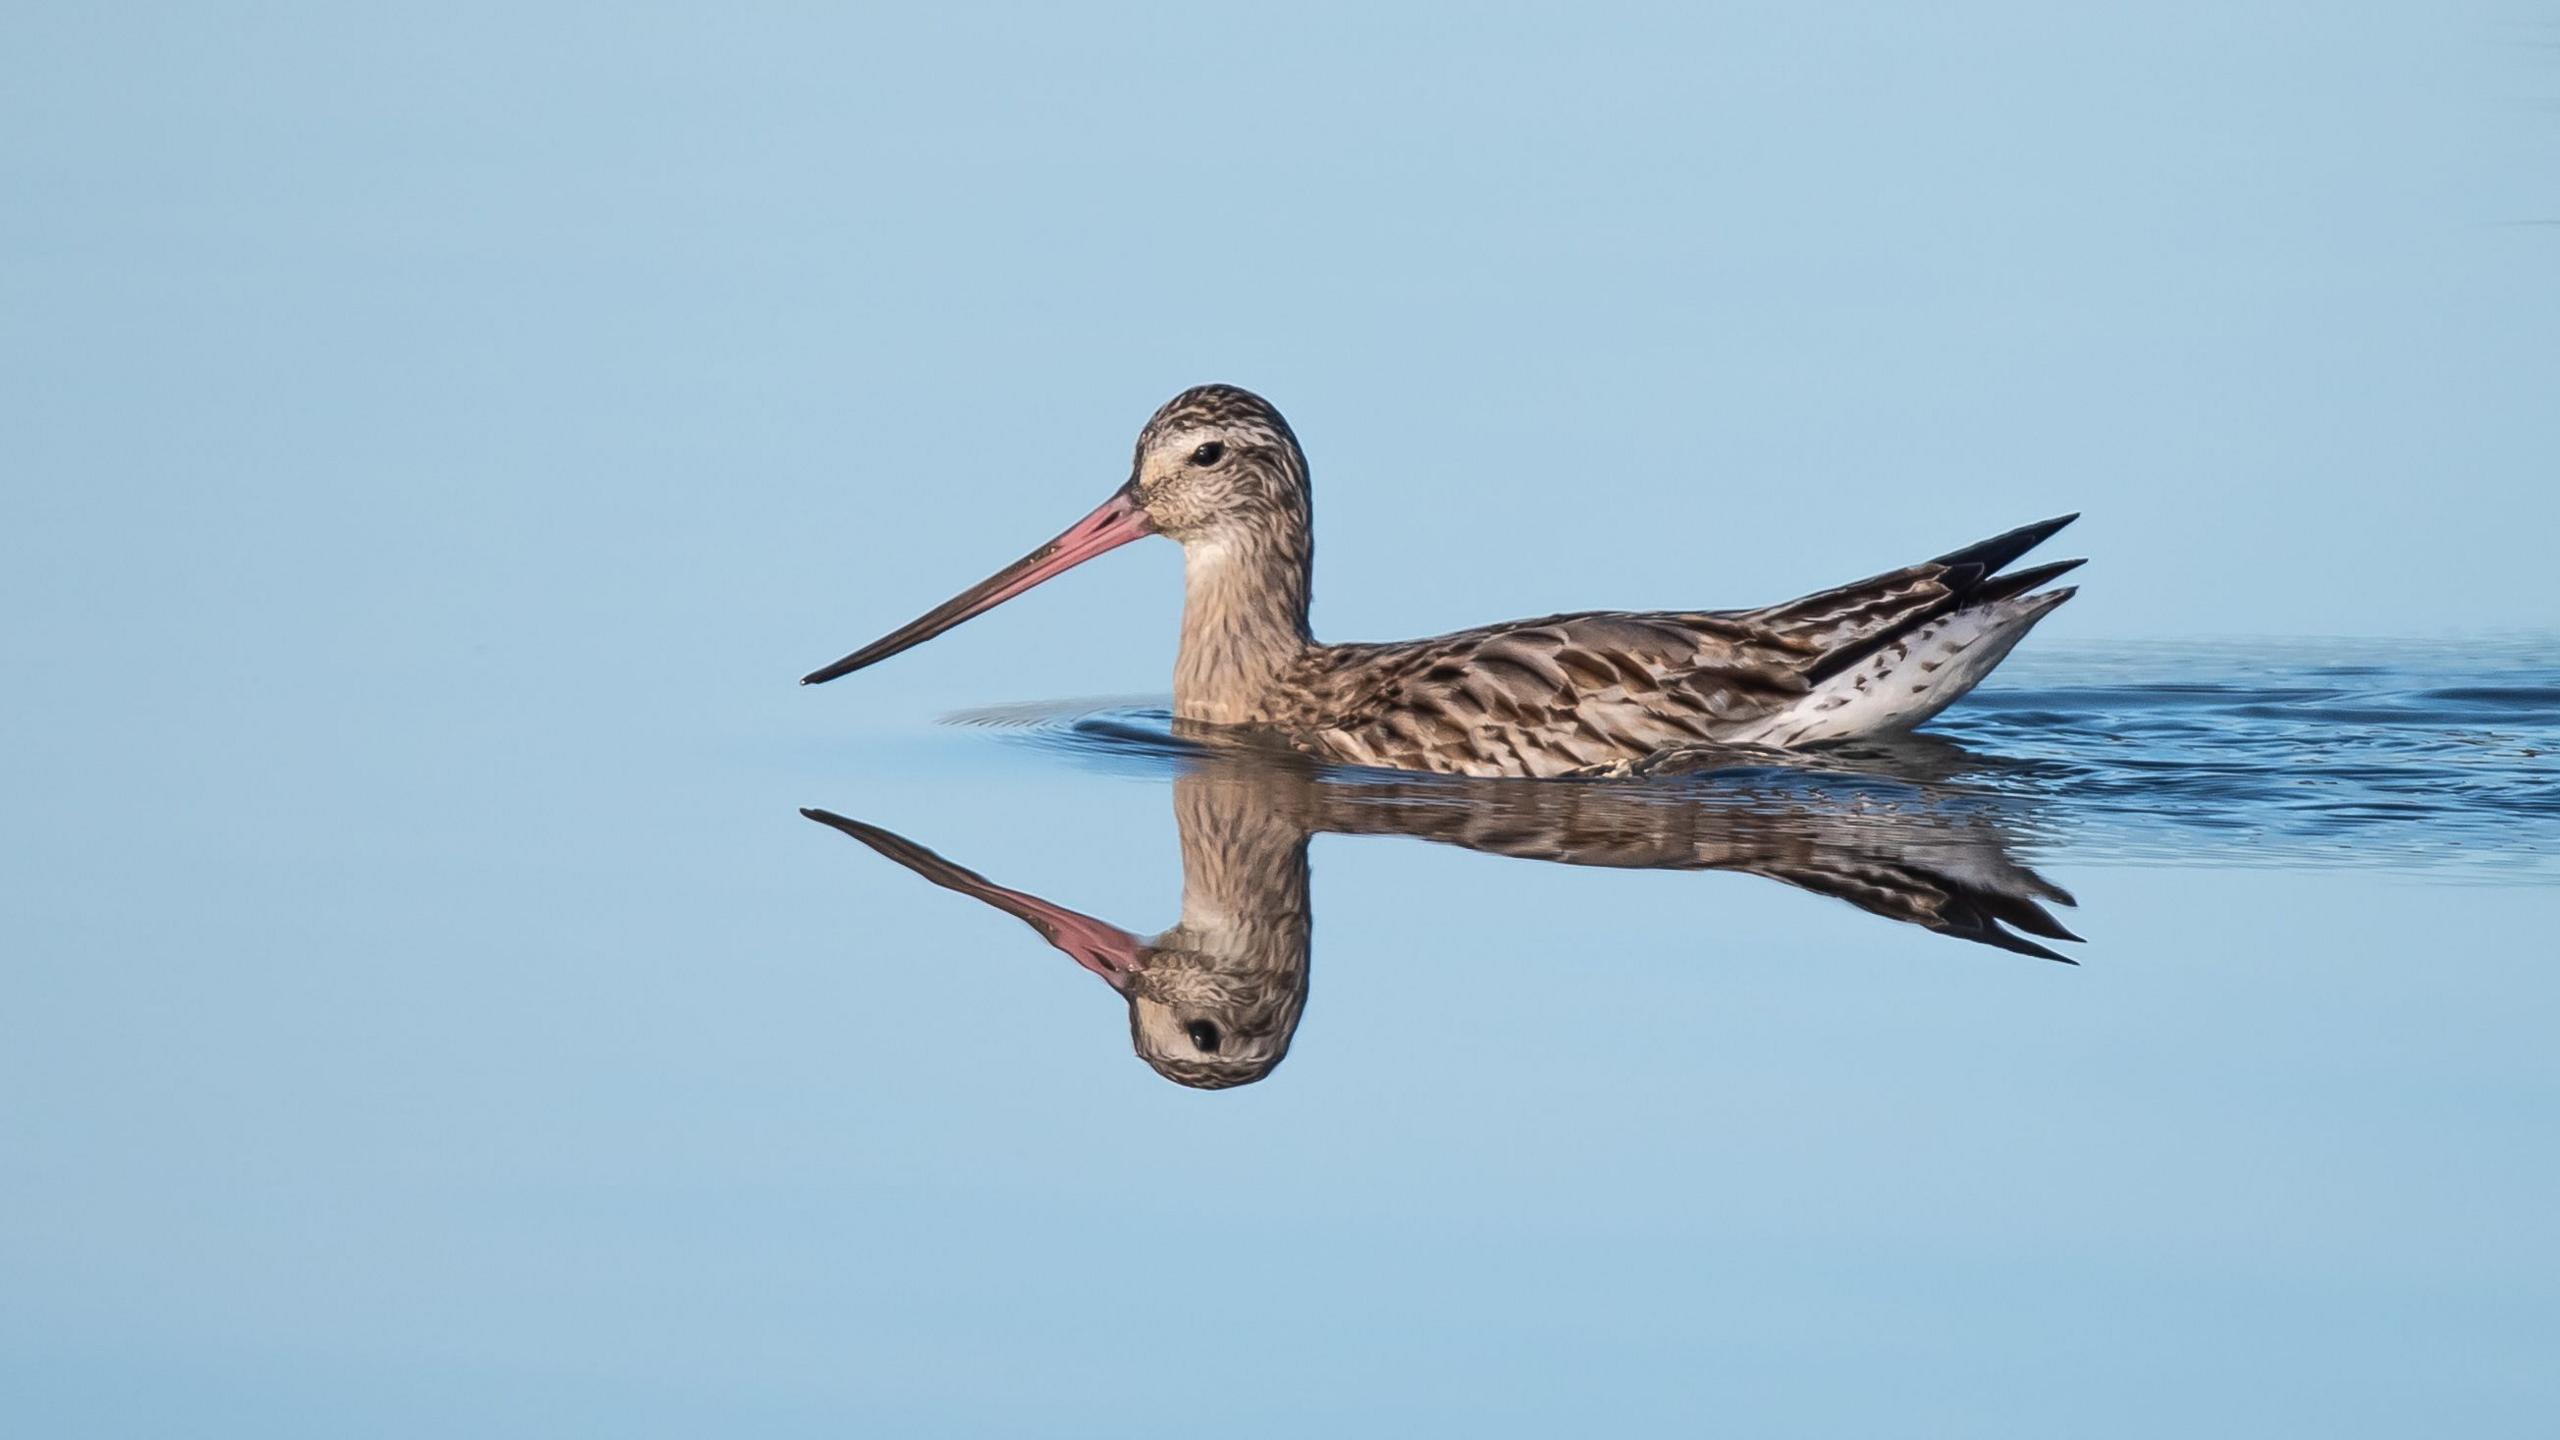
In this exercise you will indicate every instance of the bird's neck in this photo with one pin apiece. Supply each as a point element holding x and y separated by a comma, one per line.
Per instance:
<point>1244,865</point>
<point>1244,622</point>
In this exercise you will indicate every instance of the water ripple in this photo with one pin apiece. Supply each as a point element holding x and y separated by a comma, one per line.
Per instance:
<point>2395,756</point>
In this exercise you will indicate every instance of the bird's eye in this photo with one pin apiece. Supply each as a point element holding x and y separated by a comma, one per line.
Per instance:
<point>1203,1035</point>
<point>1209,454</point>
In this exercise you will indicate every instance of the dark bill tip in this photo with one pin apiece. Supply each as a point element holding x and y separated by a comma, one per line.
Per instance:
<point>1115,523</point>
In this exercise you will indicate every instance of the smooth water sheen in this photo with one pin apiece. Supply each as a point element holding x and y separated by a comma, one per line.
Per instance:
<point>544,1070</point>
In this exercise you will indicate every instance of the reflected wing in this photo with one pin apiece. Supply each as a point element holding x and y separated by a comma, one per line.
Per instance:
<point>1945,870</point>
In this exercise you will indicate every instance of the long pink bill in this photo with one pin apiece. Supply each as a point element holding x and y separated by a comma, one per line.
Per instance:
<point>1119,521</point>
<point>1097,945</point>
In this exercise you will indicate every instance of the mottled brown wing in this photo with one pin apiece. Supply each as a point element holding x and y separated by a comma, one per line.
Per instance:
<point>1849,620</point>
<point>1550,696</point>
<point>1546,696</point>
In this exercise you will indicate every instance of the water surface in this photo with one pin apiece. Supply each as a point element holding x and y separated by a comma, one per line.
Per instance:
<point>519,1083</point>
<point>2425,756</point>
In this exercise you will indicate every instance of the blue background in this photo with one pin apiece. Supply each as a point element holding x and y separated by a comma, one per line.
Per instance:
<point>435,438</point>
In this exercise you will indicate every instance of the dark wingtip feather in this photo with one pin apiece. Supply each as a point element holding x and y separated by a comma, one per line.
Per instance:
<point>2021,581</point>
<point>1999,550</point>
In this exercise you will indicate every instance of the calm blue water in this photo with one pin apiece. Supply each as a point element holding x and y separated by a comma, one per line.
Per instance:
<point>520,1090</point>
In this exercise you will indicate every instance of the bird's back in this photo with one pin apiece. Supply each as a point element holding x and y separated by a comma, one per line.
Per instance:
<point>1564,693</point>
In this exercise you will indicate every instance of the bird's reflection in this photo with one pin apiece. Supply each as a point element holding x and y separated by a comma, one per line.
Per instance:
<point>1214,1001</point>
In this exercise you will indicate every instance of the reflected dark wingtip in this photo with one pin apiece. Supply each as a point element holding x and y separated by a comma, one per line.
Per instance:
<point>1989,932</point>
<point>2029,947</point>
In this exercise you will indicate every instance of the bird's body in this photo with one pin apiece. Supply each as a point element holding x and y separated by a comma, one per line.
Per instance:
<point>1569,693</point>
<point>1218,469</point>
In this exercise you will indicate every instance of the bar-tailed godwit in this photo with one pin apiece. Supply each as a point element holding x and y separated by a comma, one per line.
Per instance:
<point>1218,470</point>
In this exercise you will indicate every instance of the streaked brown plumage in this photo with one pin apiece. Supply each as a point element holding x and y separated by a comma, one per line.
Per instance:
<point>1219,470</point>
<point>1215,1000</point>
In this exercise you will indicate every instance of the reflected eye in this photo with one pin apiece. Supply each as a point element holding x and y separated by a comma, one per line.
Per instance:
<point>1210,454</point>
<point>1203,1035</point>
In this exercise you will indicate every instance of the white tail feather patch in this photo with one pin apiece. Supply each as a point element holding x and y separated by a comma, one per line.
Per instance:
<point>1909,680</point>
